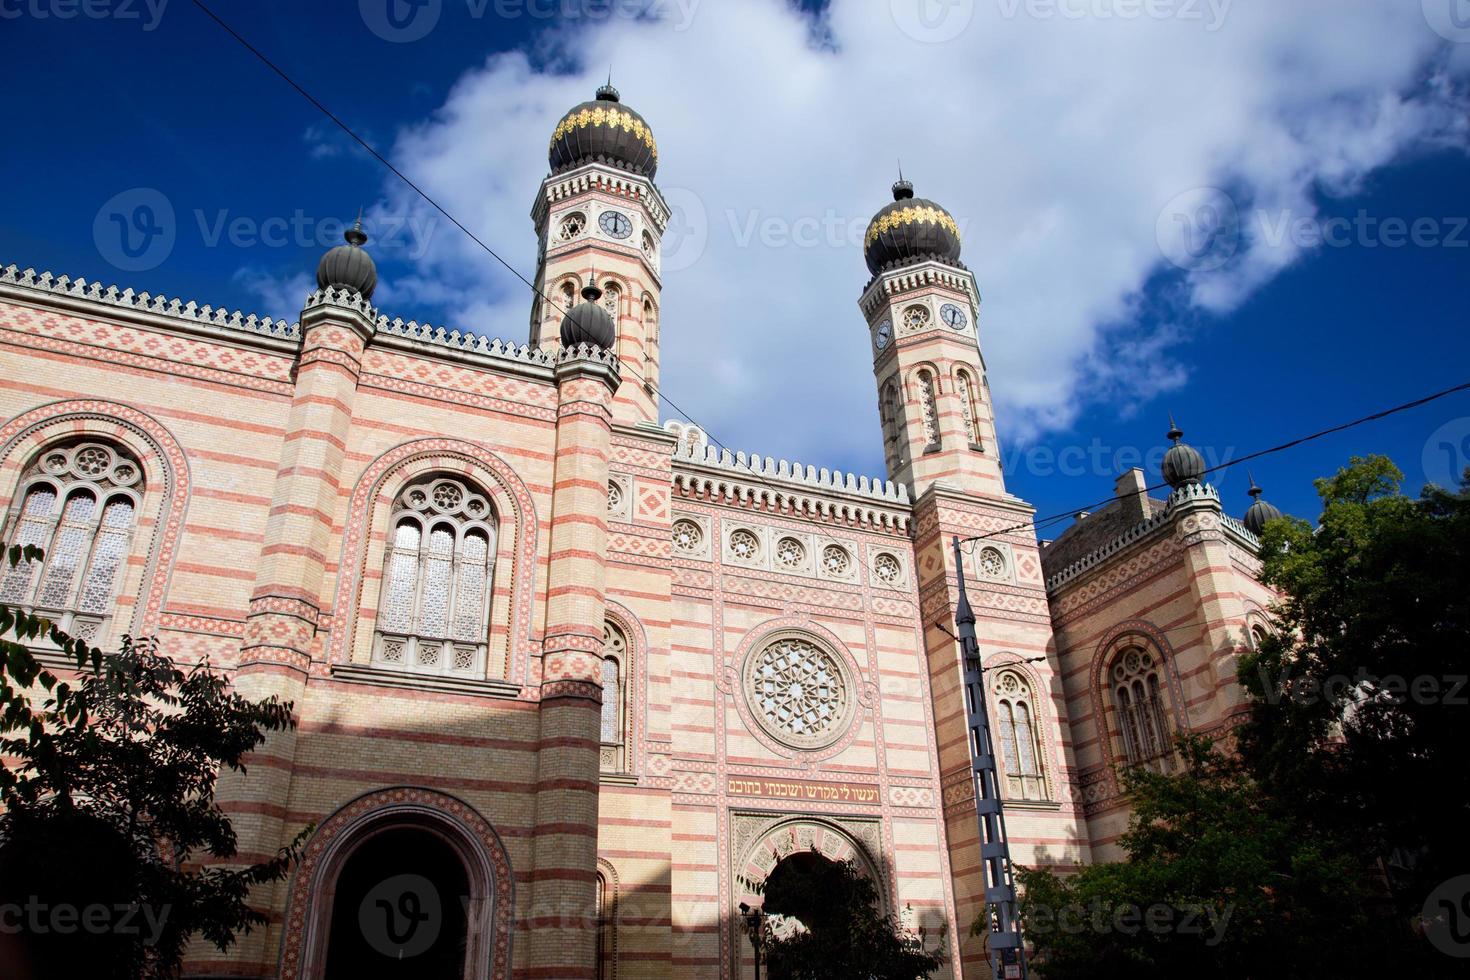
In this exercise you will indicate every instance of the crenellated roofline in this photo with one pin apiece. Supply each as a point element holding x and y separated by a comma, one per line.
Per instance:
<point>1189,494</point>
<point>278,335</point>
<point>206,319</point>
<point>594,176</point>
<point>790,487</point>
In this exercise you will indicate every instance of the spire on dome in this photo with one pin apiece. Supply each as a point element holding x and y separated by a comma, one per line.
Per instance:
<point>1182,463</point>
<point>349,266</point>
<point>1260,511</point>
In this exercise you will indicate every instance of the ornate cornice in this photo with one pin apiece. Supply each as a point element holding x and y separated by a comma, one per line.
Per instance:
<point>920,275</point>
<point>594,176</point>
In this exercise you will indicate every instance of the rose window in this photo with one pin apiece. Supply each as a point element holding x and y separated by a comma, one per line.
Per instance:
<point>887,568</point>
<point>992,564</point>
<point>614,495</point>
<point>799,692</point>
<point>687,537</point>
<point>790,553</point>
<point>916,317</point>
<point>572,226</point>
<point>744,545</point>
<point>836,560</point>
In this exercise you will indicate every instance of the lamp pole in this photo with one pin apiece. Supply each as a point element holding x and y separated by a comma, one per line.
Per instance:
<point>755,928</point>
<point>1007,953</point>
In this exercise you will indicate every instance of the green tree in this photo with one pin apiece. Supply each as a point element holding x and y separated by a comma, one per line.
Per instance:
<point>845,937</point>
<point>109,805</point>
<point>1317,835</point>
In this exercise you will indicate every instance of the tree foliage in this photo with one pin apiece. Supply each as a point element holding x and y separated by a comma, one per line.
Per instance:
<point>845,937</point>
<point>1340,805</point>
<point>109,803</point>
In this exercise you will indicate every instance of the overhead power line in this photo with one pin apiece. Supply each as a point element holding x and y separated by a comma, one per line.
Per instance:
<point>1037,524</point>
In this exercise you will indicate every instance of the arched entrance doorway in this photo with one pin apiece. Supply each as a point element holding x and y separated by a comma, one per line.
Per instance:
<point>399,910</point>
<point>401,882</point>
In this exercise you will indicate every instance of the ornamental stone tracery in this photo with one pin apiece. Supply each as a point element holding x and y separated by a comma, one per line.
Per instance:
<point>799,693</point>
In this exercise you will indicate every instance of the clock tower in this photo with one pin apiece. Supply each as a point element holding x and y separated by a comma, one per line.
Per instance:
<point>922,309</point>
<point>600,219</point>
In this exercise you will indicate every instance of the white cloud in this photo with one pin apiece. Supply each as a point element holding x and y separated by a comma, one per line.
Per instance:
<point>1056,140</point>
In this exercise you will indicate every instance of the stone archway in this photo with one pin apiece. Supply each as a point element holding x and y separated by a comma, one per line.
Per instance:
<point>464,844</point>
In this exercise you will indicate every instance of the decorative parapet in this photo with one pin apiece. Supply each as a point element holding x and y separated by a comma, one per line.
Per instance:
<point>786,487</point>
<point>216,319</point>
<point>589,352</point>
<point>466,343</point>
<point>600,177</point>
<point>1189,494</point>
<point>891,282</point>
<point>342,299</point>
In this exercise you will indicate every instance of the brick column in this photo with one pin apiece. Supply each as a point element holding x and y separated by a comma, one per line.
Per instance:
<point>1211,691</point>
<point>286,603</point>
<point>563,924</point>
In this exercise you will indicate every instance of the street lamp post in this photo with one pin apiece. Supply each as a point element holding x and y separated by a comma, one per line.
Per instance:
<point>755,928</point>
<point>1007,954</point>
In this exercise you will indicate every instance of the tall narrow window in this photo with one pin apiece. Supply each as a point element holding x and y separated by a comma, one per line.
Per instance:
<point>1020,749</point>
<point>433,615</point>
<point>650,345</point>
<point>893,434</point>
<point>928,410</point>
<point>1140,702</point>
<point>969,407</point>
<point>606,952</point>
<point>77,503</point>
<point>614,697</point>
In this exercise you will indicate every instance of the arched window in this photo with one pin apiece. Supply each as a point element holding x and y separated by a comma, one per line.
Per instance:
<point>928,409</point>
<point>650,344</point>
<point>614,695</point>
<point>438,570</point>
<point>78,503</point>
<point>893,428</point>
<point>1141,701</point>
<point>612,299</point>
<point>606,952</point>
<point>1020,744</point>
<point>969,407</point>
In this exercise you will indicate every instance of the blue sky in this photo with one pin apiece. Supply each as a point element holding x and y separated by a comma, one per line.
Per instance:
<point>1071,142</point>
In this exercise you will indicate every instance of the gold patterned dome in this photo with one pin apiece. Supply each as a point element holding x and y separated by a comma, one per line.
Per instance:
<point>908,230</point>
<point>606,131</point>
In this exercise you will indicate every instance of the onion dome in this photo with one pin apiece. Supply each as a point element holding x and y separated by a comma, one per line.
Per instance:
<point>908,230</point>
<point>588,322</point>
<point>349,266</point>
<point>1260,511</point>
<point>607,131</point>
<point>1182,463</point>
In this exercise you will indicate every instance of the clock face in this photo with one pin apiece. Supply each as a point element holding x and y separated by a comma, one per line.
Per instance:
<point>954,316</point>
<point>884,334</point>
<point>615,223</point>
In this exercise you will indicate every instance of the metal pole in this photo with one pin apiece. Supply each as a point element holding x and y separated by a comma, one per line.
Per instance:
<point>1007,953</point>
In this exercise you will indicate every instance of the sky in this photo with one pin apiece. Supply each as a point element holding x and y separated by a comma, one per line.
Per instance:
<point>1249,213</point>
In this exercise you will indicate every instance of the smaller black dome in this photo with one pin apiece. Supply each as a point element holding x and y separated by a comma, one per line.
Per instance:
<point>349,266</point>
<point>910,228</point>
<point>604,130</point>
<point>588,322</point>
<point>1182,463</point>
<point>1260,511</point>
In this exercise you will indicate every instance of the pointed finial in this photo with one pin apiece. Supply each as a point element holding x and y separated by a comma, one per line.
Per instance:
<point>1174,434</point>
<point>1254,491</point>
<point>607,93</point>
<point>590,292</point>
<point>355,235</point>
